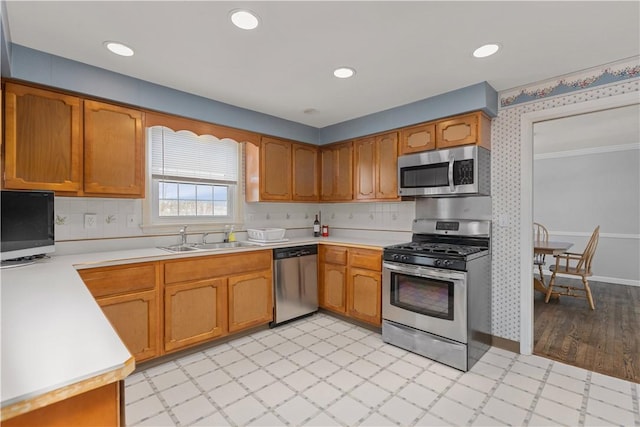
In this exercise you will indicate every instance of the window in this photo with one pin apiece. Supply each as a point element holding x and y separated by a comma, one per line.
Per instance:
<point>194,178</point>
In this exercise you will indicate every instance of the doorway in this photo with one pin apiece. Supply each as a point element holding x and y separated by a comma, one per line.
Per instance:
<point>526,202</point>
<point>585,174</point>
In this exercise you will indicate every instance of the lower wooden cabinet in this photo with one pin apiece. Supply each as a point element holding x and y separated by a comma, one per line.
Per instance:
<point>135,318</point>
<point>129,297</point>
<point>351,282</point>
<point>194,312</point>
<point>250,300</point>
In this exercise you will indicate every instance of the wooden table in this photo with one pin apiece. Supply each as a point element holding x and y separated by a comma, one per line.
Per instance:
<point>548,248</point>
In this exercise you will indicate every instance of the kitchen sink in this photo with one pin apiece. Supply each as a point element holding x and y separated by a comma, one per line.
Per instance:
<point>219,245</point>
<point>177,248</point>
<point>205,246</point>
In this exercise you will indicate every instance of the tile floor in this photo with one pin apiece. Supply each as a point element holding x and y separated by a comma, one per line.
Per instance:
<point>322,371</point>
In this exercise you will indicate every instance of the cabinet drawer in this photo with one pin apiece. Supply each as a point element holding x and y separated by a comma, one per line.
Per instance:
<point>215,266</point>
<point>104,281</point>
<point>334,254</point>
<point>365,258</point>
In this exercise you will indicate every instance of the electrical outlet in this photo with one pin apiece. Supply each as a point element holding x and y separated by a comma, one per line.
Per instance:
<point>90,220</point>
<point>131,221</point>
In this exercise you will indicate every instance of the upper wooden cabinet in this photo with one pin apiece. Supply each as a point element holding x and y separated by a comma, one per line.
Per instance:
<point>472,128</point>
<point>418,138</point>
<point>305,172</point>
<point>337,172</point>
<point>376,167</point>
<point>71,145</point>
<point>280,170</point>
<point>43,140</point>
<point>113,150</point>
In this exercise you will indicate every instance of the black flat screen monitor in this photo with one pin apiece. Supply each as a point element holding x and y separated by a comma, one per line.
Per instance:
<point>27,220</point>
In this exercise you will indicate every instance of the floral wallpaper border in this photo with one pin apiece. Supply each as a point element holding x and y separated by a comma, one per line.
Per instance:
<point>606,74</point>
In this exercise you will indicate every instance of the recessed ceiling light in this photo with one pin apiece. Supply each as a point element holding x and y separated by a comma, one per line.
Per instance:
<point>244,19</point>
<point>486,50</point>
<point>119,48</point>
<point>344,72</point>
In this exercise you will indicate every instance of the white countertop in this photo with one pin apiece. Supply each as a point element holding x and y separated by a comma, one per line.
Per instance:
<point>54,334</point>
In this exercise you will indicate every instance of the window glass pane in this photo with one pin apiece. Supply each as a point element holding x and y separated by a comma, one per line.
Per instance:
<point>204,207</point>
<point>168,190</point>
<point>186,207</point>
<point>168,208</point>
<point>205,192</point>
<point>187,192</point>
<point>220,208</point>
<point>220,192</point>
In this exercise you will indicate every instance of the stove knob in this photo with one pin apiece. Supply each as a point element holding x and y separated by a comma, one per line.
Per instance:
<point>437,262</point>
<point>446,262</point>
<point>395,257</point>
<point>404,257</point>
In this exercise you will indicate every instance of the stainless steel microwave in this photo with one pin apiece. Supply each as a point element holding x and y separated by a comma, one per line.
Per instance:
<point>460,171</point>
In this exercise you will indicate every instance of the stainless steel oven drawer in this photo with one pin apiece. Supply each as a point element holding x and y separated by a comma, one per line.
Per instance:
<point>440,349</point>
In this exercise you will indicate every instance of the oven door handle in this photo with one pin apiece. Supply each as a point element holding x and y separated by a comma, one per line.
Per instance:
<point>429,273</point>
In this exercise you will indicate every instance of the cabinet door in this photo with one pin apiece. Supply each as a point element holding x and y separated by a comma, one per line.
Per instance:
<point>365,168</point>
<point>333,283</point>
<point>113,150</point>
<point>327,172</point>
<point>364,295</point>
<point>194,312</point>
<point>418,138</point>
<point>275,169</point>
<point>250,300</point>
<point>305,172</point>
<point>134,316</point>
<point>457,131</point>
<point>43,140</point>
<point>386,166</point>
<point>344,172</point>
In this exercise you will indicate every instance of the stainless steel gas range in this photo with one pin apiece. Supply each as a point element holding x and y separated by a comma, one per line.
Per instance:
<point>436,291</point>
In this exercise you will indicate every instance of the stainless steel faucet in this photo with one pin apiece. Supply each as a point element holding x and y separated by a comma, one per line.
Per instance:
<point>183,235</point>
<point>204,237</point>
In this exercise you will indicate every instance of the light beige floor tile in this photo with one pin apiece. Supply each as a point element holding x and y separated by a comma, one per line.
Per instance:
<point>322,394</point>
<point>505,412</point>
<point>143,409</point>
<point>193,410</point>
<point>400,410</point>
<point>297,410</point>
<point>275,394</point>
<point>348,411</point>
<point>180,393</point>
<point>558,412</point>
<point>244,410</point>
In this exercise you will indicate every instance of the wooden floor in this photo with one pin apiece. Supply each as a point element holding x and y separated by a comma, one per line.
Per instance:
<point>606,340</point>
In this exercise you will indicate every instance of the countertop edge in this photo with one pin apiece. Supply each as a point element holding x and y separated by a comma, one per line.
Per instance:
<point>43,398</point>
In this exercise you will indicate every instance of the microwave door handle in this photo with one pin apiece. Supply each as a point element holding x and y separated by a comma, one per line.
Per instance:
<point>452,186</point>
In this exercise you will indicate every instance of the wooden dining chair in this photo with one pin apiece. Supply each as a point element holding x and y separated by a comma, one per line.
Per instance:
<point>540,234</point>
<point>576,265</point>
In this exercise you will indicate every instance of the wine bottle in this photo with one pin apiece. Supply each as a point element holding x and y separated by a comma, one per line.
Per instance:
<point>316,227</point>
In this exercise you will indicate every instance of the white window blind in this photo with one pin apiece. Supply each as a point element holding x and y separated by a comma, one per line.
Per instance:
<point>184,154</point>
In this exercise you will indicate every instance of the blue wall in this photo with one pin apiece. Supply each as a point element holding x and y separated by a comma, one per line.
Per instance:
<point>50,70</point>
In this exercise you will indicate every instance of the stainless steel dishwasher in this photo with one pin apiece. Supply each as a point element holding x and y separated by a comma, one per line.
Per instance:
<point>295,282</point>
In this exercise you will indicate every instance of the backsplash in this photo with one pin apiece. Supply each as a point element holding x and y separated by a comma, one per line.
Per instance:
<point>121,217</point>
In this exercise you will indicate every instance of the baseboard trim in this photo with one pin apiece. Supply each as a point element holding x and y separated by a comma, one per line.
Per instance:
<point>505,344</point>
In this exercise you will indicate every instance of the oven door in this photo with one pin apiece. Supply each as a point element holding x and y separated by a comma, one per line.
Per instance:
<point>430,299</point>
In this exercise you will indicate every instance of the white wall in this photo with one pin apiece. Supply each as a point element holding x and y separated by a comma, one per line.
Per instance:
<point>575,191</point>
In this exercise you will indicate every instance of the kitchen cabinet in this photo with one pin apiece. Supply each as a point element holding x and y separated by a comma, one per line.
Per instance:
<point>418,138</point>
<point>281,170</point>
<point>337,172</point>
<point>113,150</point>
<point>42,140</point>
<point>350,282</point>
<point>194,312</point>
<point>129,298</point>
<point>305,172</point>
<point>250,300</point>
<point>376,167</point>
<point>208,297</point>
<point>74,146</point>
<point>467,129</point>
<point>364,285</point>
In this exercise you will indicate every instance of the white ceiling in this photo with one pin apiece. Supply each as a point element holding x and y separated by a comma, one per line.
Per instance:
<point>403,51</point>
